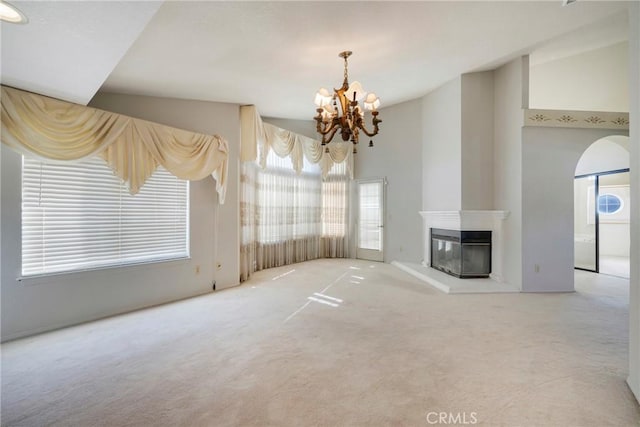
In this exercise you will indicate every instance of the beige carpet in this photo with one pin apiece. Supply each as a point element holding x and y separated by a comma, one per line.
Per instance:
<point>373,346</point>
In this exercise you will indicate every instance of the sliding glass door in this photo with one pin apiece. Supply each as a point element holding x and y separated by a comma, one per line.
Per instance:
<point>585,223</point>
<point>614,230</point>
<point>601,222</point>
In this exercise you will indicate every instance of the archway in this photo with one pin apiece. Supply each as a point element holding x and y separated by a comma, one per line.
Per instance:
<point>550,157</point>
<point>602,207</point>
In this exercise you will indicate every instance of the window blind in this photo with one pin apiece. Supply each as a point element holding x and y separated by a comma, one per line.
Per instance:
<point>79,215</point>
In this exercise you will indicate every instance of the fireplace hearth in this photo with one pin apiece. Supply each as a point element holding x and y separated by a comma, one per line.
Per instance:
<point>463,254</point>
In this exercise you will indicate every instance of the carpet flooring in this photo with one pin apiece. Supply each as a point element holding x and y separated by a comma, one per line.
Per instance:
<point>335,343</point>
<point>615,266</point>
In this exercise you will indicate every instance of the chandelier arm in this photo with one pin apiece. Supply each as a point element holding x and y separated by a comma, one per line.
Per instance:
<point>324,128</point>
<point>376,128</point>
<point>327,128</point>
<point>327,138</point>
<point>370,134</point>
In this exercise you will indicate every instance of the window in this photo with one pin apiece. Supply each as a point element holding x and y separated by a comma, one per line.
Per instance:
<point>78,216</point>
<point>287,218</point>
<point>370,235</point>
<point>609,204</point>
<point>335,201</point>
<point>288,204</point>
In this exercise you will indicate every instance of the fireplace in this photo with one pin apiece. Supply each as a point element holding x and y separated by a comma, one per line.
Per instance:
<point>463,254</point>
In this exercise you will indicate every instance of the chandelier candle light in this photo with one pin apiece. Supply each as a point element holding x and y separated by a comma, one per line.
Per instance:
<point>342,112</point>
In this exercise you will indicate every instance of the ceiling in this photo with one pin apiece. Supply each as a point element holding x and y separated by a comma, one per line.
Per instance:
<point>277,54</point>
<point>68,49</point>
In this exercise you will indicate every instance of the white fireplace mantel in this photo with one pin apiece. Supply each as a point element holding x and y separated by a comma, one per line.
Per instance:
<point>470,220</point>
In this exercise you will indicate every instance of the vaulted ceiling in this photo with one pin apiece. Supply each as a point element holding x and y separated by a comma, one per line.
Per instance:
<point>277,54</point>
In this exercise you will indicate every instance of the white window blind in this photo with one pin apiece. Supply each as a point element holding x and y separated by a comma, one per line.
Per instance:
<point>78,216</point>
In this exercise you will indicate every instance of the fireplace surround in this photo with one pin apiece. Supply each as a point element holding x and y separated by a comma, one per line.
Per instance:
<point>469,220</point>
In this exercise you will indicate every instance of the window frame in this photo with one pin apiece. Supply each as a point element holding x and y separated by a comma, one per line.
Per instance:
<point>610,195</point>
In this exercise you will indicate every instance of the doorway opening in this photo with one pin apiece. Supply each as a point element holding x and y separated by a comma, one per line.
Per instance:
<point>602,209</point>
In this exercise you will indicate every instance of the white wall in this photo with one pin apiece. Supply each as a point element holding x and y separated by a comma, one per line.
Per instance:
<point>615,239</point>
<point>477,141</point>
<point>596,80</point>
<point>34,305</point>
<point>396,156</point>
<point>634,118</point>
<point>550,157</point>
<point>510,89</point>
<point>441,148</point>
<point>605,155</point>
<point>303,127</point>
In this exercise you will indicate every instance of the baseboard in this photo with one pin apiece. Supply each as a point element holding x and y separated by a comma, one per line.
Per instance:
<point>635,388</point>
<point>51,328</point>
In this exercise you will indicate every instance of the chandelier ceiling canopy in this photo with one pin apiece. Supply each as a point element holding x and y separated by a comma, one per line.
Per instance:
<point>341,111</point>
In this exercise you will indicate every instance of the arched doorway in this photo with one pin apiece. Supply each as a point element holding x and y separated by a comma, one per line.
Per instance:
<point>602,208</point>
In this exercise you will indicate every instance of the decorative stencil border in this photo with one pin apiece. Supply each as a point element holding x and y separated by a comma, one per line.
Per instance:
<point>576,119</point>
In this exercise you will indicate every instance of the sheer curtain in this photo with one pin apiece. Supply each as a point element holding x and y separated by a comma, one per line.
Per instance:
<point>335,213</point>
<point>288,217</point>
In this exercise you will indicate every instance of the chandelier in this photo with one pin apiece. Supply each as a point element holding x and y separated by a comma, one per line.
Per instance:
<point>342,113</point>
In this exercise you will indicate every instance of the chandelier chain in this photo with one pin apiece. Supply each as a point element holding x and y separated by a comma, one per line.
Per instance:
<point>346,72</point>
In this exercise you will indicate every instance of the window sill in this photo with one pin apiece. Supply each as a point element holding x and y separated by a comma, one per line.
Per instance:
<point>35,279</point>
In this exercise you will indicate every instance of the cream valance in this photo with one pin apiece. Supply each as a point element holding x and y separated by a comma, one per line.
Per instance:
<point>258,138</point>
<point>57,130</point>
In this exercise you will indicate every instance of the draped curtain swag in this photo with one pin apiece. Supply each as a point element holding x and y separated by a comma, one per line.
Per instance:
<point>259,138</point>
<point>133,148</point>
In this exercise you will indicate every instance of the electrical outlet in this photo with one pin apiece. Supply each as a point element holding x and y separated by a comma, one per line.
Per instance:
<point>536,268</point>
